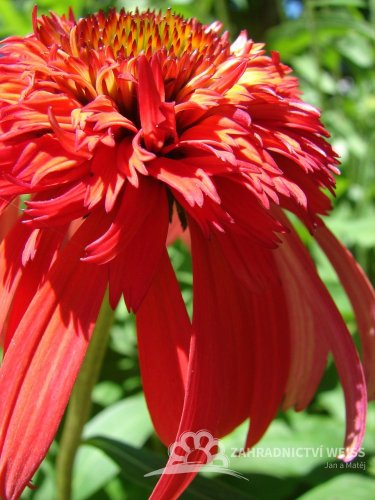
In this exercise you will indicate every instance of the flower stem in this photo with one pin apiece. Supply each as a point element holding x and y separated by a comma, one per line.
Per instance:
<point>80,402</point>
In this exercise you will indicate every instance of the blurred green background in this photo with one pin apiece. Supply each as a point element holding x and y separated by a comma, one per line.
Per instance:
<point>331,46</point>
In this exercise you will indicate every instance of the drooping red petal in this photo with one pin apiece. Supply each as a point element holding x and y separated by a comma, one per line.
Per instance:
<point>309,349</point>
<point>43,359</point>
<point>22,275</point>
<point>136,240</point>
<point>11,269</point>
<point>261,226</point>
<point>30,275</point>
<point>137,204</point>
<point>271,344</point>
<point>335,333</point>
<point>238,359</point>
<point>164,332</point>
<point>142,255</point>
<point>360,293</point>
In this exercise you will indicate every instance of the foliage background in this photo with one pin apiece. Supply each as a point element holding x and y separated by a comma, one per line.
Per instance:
<point>331,46</point>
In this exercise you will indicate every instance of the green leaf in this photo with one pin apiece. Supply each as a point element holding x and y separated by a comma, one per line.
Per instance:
<point>343,487</point>
<point>357,49</point>
<point>294,447</point>
<point>106,393</point>
<point>128,421</point>
<point>345,22</point>
<point>355,231</point>
<point>12,21</point>
<point>60,6</point>
<point>135,463</point>
<point>306,66</point>
<point>295,37</point>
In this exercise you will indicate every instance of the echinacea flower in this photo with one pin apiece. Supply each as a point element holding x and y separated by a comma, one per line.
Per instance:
<point>114,125</point>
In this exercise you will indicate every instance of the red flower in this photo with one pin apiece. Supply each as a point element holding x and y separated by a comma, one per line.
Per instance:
<point>112,124</point>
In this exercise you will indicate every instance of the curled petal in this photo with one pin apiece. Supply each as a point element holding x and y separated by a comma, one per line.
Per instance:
<point>297,260</point>
<point>360,293</point>
<point>63,206</point>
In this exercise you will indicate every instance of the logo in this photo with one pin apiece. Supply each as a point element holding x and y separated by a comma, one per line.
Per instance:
<point>196,451</point>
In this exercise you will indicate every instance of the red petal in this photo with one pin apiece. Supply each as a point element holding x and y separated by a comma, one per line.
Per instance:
<point>271,345</point>
<point>42,362</point>
<point>361,295</point>
<point>135,240</point>
<point>33,274</point>
<point>227,74</point>
<point>8,217</point>
<point>138,206</point>
<point>105,181</point>
<point>18,282</point>
<point>185,177</point>
<point>149,102</point>
<point>335,334</point>
<point>239,353</point>
<point>63,206</point>
<point>11,249</point>
<point>308,348</point>
<point>131,158</point>
<point>239,202</point>
<point>164,330</point>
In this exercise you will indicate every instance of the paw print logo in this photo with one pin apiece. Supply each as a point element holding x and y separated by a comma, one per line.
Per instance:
<point>197,448</point>
<point>194,451</point>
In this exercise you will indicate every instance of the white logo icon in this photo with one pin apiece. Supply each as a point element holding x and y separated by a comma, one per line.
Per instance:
<point>195,451</point>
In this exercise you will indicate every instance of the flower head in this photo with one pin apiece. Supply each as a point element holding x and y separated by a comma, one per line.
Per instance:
<point>114,127</point>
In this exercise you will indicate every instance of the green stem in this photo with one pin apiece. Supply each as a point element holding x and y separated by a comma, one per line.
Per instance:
<point>80,402</point>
